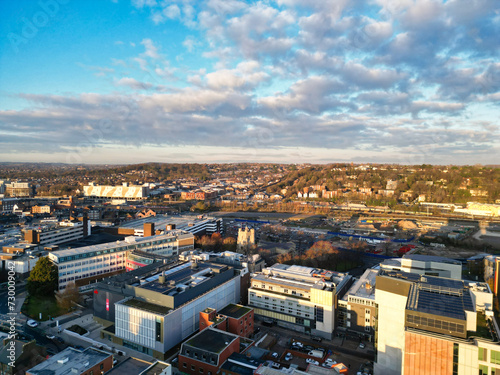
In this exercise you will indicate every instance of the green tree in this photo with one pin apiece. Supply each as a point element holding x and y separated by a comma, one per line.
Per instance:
<point>43,278</point>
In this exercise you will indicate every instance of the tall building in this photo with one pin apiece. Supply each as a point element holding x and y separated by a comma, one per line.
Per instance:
<point>434,325</point>
<point>246,238</point>
<point>83,265</point>
<point>153,313</point>
<point>299,298</point>
<point>492,272</point>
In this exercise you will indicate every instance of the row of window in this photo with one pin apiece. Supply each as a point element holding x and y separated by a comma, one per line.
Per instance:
<point>193,368</point>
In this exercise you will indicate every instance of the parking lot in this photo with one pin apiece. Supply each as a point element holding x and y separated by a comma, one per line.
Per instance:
<point>285,350</point>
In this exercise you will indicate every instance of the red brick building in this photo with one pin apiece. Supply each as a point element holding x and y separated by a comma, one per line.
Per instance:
<point>233,318</point>
<point>205,352</point>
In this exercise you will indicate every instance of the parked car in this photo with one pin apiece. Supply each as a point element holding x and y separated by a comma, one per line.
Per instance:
<point>288,357</point>
<point>275,355</point>
<point>32,323</point>
<point>316,338</point>
<point>297,344</point>
<point>362,346</point>
<point>50,337</point>
<point>312,361</point>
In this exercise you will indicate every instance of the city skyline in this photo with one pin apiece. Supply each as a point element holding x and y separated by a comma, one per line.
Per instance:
<point>227,81</point>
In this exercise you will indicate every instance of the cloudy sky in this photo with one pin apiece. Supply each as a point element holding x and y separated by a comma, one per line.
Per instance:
<point>406,81</point>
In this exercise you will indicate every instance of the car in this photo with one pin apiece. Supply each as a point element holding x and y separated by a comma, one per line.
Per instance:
<point>32,323</point>
<point>275,355</point>
<point>317,338</point>
<point>361,345</point>
<point>50,337</point>
<point>312,361</point>
<point>288,357</point>
<point>297,344</point>
<point>309,347</point>
<point>115,362</point>
<point>256,330</point>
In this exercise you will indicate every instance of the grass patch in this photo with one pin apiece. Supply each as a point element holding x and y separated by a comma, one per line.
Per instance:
<point>34,305</point>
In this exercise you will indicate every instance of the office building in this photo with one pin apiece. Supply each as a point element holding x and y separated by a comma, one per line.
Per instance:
<point>19,189</point>
<point>433,325</point>
<point>357,310</point>
<point>62,232</point>
<point>425,265</point>
<point>86,264</point>
<point>298,298</point>
<point>198,225</point>
<point>153,313</point>
<point>73,361</point>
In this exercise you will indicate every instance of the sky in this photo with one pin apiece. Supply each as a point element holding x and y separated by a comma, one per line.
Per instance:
<point>286,81</point>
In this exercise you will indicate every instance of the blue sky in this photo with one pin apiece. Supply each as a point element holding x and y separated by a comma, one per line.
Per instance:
<point>405,81</point>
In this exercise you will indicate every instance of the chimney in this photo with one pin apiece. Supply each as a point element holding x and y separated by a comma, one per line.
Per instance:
<point>149,229</point>
<point>170,226</point>
<point>161,279</point>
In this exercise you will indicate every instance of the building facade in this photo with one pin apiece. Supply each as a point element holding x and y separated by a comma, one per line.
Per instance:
<point>299,298</point>
<point>85,264</point>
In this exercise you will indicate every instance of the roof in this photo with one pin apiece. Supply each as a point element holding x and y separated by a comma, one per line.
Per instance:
<point>439,296</point>
<point>70,361</point>
<point>130,366</point>
<point>431,258</point>
<point>235,311</point>
<point>156,368</point>
<point>146,306</point>
<point>211,340</point>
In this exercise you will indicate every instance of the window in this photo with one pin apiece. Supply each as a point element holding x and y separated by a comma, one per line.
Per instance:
<point>367,329</point>
<point>483,354</point>
<point>319,314</point>
<point>483,370</point>
<point>201,370</point>
<point>193,367</point>
<point>495,357</point>
<point>184,365</point>
<point>102,366</point>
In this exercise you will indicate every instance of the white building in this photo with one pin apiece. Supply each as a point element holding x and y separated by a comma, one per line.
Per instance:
<point>299,298</point>
<point>97,261</point>
<point>425,265</point>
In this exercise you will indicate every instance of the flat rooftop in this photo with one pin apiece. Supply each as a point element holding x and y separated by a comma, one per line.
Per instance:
<point>125,244</point>
<point>146,306</point>
<point>211,340</point>
<point>130,366</point>
<point>235,311</point>
<point>70,361</point>
<point>364,287</point>
<point>184,276</point>
<point>431,258</point>
<point>161,221</point>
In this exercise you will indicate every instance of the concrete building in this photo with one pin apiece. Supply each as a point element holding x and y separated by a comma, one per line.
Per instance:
<point>153,313</point>
<point>425,265</point>
<point>198,225</point>
<point>433,325</point>
<point>135,366</point>
<point>357,310</point>
<point>206,352</point>
<point>86,264</point>
<point>298,298</point>
<point>73,361</point>
<point>19,189</point>
<point>116,192</point>
<point>62,232</point>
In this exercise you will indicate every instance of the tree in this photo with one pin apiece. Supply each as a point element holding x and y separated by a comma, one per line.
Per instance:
<point>229,244</point>
<point>43,279</point>
<point>67,297</point>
